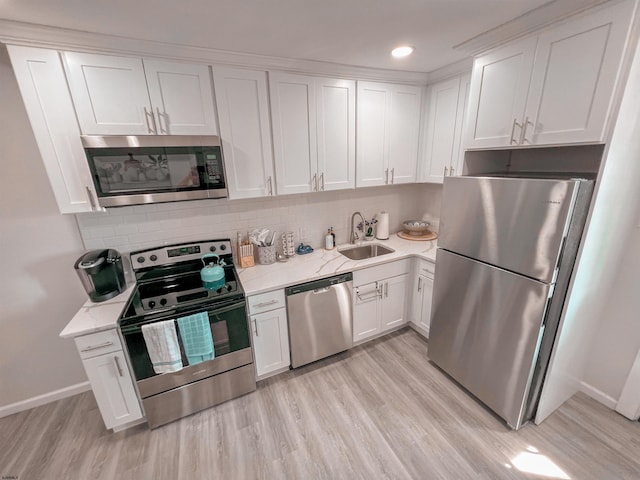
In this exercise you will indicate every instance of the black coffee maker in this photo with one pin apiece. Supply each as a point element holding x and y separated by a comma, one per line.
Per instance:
<point>101,273</point>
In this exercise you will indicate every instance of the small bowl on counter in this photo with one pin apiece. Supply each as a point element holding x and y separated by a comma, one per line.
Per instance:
<point>415,227</point>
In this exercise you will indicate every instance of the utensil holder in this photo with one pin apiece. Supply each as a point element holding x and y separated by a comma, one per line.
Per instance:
<point>288,248</point>
<point>246,256</point>
<point>266,255</point>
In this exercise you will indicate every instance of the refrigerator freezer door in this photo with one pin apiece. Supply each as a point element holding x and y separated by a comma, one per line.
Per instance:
<point>486,326</point>
<point>514,223</point>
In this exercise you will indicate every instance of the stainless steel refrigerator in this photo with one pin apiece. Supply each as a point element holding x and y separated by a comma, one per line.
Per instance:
<point>506,250</point>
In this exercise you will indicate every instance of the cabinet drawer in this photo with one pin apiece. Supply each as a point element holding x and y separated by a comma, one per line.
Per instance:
<point>266,301</point>
<point>426,268</point>
<point>372,274</point>
<point>98,343</point>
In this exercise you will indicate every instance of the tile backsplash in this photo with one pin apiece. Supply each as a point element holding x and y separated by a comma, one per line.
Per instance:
<point>307,215</point>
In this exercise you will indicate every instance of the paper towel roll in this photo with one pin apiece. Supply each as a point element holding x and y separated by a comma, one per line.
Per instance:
<point>382,230</point>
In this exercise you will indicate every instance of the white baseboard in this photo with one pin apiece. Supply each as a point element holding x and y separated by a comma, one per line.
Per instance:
<point>599,396</point>
<point>44,399</point>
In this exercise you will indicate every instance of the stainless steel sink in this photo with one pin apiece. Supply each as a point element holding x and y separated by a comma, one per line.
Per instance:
<point>362,252</point>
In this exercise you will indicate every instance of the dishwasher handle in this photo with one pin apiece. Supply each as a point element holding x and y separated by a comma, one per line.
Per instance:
<point>318,285</point>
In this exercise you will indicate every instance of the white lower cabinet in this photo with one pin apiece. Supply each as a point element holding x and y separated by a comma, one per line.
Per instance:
<point>269,333</point>
<point>110,379</point>
<point>379,299</point>
<point>421,296</point>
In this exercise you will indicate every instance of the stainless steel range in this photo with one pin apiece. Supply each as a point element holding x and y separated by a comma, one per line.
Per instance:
<point>189,346</point>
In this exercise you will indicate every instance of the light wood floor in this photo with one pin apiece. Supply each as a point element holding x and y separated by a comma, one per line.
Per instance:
<point>378,411</point>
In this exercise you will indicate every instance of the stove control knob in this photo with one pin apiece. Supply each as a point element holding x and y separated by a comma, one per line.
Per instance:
<point>219,290</point>
<point>152,304</point>
<point>212,248</point>
<point>163,301</point>
<point>153,258</point>
<point>228,287</point>
<point>223,247</point>
<point>140,259</point>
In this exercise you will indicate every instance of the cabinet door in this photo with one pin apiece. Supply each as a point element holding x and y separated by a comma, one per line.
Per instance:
<point>393,303</point>
<point>243,111</point>
<point>374,101</point>
<point>110,94</point>
<point>574,75</point>
<point>270,341</point>
<point>457,161</point>
<point>499,86</point>
<point>425,292</point>
<point>182,98</point>
<point>336,110</point>
<point>113,388</point>
<point>46,97</point>
<point>366,311</point>
<point>293,116</point>
<point>404,133</point>
<point>440,147</point>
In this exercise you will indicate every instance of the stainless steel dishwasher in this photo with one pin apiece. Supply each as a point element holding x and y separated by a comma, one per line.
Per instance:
<point>320,316</point>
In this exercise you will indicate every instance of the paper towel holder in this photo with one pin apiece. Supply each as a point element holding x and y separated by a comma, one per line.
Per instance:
<point>382,230</point>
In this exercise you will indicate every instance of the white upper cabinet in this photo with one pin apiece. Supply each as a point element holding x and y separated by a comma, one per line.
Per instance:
<point>554,88</point>
<point>126,96</point>
<point>243,111</point>
<point>388,133</point>
<point>443,153</point>
<point>46,97</point>
<point>313,122</point>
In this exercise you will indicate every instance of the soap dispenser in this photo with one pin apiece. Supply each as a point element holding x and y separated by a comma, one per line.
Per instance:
<point>328,240</point>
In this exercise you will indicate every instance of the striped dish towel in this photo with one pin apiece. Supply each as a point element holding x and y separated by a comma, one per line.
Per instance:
<point>196,337</point>
<point>162,345</point>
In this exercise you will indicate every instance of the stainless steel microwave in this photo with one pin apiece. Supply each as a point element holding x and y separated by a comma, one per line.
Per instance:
<point>133,170</point>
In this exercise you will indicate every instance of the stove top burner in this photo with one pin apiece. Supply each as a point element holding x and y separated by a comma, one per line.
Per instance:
<point>172,282</point>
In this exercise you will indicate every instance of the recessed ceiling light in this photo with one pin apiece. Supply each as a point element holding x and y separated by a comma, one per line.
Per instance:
<point>402,51</point>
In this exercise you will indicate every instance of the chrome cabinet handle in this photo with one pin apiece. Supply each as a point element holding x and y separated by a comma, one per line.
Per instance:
<point>264,304</point>
<point>451,172</point>
<point>386,176</point>
<point>315,182</point>
<point>446,170</point>
<point>393,175</point>
<point>270,186</point>
<point>419,284</point>
<point>95,347</point>
<point>255,326</point>
<point>92,202</point>
<point>513,130</point>
<point>148,114</point>
<point>386,289</point>
<point>115,359</point>
<point>523,135</point>
<point>376,293</point>
<point>322,181</point>
<point>164,130</point>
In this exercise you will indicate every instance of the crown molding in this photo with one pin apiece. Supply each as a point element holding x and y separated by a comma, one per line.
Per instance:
<point>453,70</point>
<point>43,36</point>
<point>532,21</point>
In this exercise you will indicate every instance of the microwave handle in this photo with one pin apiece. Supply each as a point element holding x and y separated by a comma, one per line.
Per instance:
<point>92,202</point>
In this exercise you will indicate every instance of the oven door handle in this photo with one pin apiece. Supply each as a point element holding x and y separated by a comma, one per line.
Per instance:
<point>215,309</point>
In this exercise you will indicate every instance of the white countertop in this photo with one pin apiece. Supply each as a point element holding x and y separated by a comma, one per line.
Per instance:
<point>325,263</point>
<point>95,317</point>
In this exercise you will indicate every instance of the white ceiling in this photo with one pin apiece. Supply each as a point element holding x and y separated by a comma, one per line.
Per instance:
<point>350,32</point>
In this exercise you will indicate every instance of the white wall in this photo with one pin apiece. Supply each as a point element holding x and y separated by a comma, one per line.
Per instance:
<point>39,290</point>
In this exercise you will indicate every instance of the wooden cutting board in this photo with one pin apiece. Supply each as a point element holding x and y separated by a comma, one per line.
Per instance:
<point>425,237</point>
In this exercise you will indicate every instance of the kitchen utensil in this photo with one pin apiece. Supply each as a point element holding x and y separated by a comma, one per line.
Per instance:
<point>266,255</point>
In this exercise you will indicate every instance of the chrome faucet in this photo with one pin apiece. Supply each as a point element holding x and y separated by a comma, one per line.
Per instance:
<point>354,235</point>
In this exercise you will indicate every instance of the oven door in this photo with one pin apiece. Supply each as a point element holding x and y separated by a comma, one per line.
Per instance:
<point>150,173</point>
<point>232,348</point>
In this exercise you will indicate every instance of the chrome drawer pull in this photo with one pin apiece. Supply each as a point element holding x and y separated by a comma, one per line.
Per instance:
<point>95,347</point>
<point>264,304</point>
